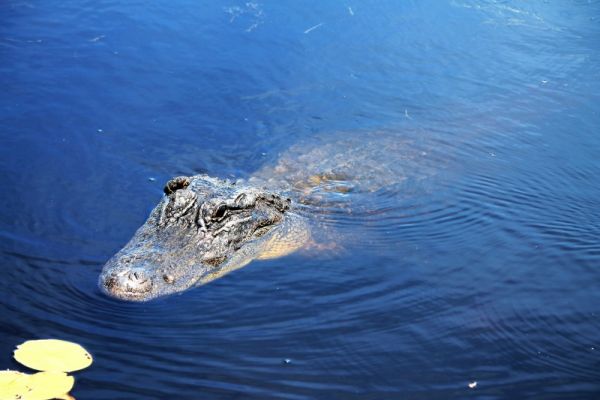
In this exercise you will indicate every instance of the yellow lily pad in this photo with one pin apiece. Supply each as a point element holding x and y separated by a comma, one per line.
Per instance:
<point>47,385</point>
<point>65,396</point>
<point>53,355</point>
<point>12,384</point>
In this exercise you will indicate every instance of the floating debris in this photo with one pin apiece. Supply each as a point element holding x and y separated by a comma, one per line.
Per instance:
<point>250,12</point>
<point>472,385</point>
<point>287,361</point>
<point>97,38</point>
<point>312,28</point>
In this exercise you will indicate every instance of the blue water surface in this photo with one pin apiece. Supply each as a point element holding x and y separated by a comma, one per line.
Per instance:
<point>487,275</point>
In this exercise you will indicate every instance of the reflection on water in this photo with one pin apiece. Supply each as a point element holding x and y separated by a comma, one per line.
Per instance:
<point>476,261</point>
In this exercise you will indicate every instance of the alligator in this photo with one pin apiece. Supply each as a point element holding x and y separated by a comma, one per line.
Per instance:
<point>206,227</point>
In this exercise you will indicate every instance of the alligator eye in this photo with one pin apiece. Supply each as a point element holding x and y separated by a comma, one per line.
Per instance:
<point>180,182</point>
<point>215,261</point>
<point>220,212</point>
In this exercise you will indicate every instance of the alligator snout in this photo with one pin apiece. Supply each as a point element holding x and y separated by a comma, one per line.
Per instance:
<point>128,284</point>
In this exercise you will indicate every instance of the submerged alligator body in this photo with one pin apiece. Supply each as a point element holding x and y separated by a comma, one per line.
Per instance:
<point>204,227</point>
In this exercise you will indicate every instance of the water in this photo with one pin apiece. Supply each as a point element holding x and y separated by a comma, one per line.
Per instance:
<point>485,271</point>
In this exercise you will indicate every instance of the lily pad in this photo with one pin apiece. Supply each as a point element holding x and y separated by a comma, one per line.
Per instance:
<point>12,384</point>
<point>40,386</point>
<point>48,385</point>
<point>53,355</point>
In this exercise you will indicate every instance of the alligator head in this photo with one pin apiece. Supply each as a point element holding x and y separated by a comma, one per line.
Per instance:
<point>198,228</point>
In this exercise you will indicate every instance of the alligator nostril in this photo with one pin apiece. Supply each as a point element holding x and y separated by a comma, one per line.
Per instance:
<point>111,282</point>
<point>130,284</point>
<point>137,276</point>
